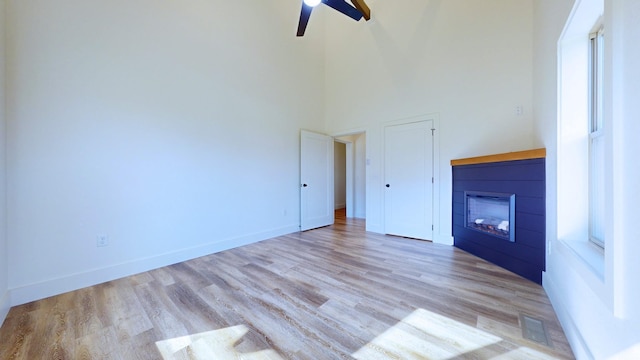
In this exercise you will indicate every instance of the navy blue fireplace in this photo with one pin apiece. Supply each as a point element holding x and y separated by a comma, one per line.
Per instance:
<point>499,210</point>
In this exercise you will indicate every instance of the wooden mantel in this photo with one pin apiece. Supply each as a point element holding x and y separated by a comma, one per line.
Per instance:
<point>510,156</point>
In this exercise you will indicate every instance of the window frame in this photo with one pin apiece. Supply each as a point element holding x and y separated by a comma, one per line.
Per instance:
<point>597,141</point>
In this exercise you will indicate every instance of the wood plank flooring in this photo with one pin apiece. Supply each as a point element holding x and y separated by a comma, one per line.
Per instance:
<point>331,293</point>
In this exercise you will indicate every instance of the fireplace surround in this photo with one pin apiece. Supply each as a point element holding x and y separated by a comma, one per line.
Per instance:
<point>509,190</point>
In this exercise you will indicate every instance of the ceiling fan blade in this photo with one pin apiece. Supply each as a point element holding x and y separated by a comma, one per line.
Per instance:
<point>344,7</point>
<point>305,14</point>
<point>364,9</point>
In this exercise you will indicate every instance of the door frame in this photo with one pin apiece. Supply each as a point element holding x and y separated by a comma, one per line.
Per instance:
<point>351,185</point>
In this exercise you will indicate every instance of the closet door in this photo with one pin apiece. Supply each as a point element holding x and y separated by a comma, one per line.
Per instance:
<point>408,173</point>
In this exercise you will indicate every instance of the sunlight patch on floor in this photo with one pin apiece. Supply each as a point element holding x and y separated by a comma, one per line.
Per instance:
<point>421,335</point>
<point>426,335</point>
<point>632,352</point>
<point>216,344</point>
<point>523,353</point>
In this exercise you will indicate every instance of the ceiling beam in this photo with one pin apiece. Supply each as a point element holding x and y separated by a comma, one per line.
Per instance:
<point>364,9</point>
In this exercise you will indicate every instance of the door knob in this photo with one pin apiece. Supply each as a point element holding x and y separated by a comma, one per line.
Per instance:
<point>304,185</point>
<point>388,185</point>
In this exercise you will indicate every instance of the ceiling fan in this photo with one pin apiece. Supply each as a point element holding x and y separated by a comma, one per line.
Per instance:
<point>356,12</point>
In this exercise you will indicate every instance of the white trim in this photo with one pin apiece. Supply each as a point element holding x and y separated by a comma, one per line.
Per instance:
<point>438,237</point>
<point>571,331</point>
<point>77,281</point>
<point>413,119</point>
<point>5,306</point>
<point>585,259</point>
<point>614,104</point>
<point>349,132</point>
<point>443,239</point>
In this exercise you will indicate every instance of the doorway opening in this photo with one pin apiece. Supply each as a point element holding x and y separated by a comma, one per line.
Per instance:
<point>350,174</point>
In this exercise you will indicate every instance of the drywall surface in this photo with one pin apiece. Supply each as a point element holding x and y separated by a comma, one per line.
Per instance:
<point>4,257</point>
<point>169,129</point>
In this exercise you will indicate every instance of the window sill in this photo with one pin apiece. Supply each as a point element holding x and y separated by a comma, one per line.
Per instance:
<point>590,255</point>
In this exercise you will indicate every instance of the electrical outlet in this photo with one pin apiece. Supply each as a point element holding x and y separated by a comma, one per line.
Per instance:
<point>519,110</point>
<point>102,240</point>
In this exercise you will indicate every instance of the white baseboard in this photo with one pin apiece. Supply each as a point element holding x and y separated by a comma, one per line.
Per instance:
<point>443,239</point>
<point>437,238</point>
<point>376,228</point>
<point>92,277</point>
<point>5,305</point>
<point>571,331</point>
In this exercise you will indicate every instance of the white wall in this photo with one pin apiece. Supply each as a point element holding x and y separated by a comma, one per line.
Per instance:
<point>4,294</point>
<point>170,127</point>
<point>467,63</point>
<point>629,76</point>
<point>599,326</point>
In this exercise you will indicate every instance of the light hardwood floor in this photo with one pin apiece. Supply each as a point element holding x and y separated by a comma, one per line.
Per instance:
<point>331,293</point>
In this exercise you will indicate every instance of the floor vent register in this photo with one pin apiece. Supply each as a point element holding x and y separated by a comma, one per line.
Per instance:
<point>534,330</point>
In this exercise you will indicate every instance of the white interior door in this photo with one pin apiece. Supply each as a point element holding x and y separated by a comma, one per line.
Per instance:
<point>316,180</point>
<point>408,172</point>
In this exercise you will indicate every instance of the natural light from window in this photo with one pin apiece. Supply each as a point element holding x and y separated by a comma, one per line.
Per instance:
<point>427,335</point>
<point>420,335</point>
<point>217,344</point>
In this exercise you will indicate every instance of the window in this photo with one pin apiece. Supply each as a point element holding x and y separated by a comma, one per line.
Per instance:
<point>586,154</point>
<point>583,139</point>
<point>596,139</point>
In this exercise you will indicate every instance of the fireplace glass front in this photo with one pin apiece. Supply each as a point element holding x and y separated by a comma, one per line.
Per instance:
<point>491,213</point>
